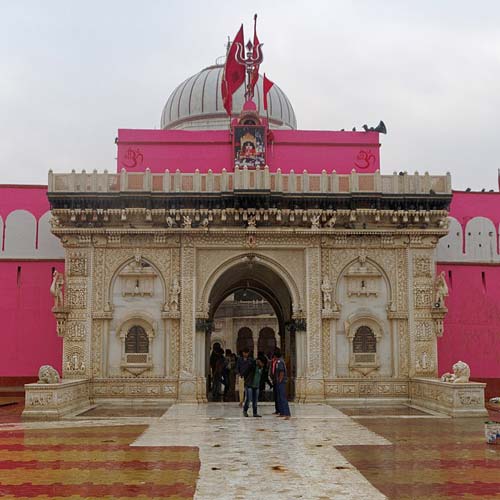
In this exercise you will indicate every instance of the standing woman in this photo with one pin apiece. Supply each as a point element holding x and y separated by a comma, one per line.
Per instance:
<point>280,381</point>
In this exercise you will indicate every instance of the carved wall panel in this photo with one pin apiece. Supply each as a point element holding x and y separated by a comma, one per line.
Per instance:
<point>77,264</point>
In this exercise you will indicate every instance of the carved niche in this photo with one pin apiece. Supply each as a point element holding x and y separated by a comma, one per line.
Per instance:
<point>137,279</point>
<point>363,279</point>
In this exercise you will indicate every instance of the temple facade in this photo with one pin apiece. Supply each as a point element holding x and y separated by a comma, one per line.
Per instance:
<point>145,259</point>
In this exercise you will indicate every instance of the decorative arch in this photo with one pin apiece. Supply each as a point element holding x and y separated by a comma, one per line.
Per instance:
<point>20,234</point>
<point>378,267</point>
<point>363,362</point>
<point>119,269</point>
<point>480,239</point>
<point>267,340</point>
<point>278,269</point>
<point>48,245</point>
<point>450,247</point>
<point>136,363</point>
<point>244,339</point>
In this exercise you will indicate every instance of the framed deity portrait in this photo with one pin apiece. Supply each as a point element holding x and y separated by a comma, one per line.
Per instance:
<point>249,146</point>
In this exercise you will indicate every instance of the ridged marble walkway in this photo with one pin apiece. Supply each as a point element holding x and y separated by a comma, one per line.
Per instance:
<point>268,457</point>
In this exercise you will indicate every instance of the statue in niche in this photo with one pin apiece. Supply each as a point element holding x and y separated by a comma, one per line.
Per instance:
<point>460,375</point>
<point>441,289</point>
<point>204,223</point>
<point>56,289</point>
<point>169,221</point>
<point>48,375</point>
<point>251,222</point>
<point>187,222</point>
<point>175,291</point>
<point>326,289</point>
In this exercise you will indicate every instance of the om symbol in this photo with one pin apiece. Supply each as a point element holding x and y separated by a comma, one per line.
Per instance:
<point>366,158</point>
<point>133,158</point>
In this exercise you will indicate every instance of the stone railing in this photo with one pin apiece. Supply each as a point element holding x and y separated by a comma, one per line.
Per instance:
<point>249,180</point>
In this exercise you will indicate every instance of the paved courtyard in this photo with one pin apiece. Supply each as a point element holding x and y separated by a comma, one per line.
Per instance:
<point>211,451</point>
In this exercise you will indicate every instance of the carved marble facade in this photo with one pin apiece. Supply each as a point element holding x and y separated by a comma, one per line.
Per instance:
<point>356,295</point>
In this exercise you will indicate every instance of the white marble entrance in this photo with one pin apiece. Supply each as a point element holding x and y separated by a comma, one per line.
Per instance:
<point>268,457</point>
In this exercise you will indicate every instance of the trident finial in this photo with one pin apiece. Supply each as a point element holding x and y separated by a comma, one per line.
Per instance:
<point>252,61</point>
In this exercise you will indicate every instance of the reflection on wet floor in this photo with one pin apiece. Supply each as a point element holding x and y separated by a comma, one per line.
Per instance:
<point>320,451</point>
<point>116,411</point>
<point>389,411</point>
<point>429,459</point>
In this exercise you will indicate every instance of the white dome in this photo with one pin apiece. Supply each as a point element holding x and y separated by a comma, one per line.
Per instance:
<point>196,104</point>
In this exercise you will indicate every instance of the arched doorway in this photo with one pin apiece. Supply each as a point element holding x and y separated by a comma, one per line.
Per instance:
<point>244,340</point>
<point>252,275</point>
<point>267,341</point>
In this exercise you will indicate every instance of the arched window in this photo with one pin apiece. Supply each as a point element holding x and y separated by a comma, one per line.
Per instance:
<point>364,340</point>
<point>244,340</point>
<point>267,341</point>
<point>137,341</point>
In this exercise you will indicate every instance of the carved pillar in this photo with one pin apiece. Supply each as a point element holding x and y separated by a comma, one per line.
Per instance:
<point>187,377</point>
<point>314,378</point>
<point>202,337</point>
<point>76,363</point>
<point>300,333</point>
<point>423,342</point>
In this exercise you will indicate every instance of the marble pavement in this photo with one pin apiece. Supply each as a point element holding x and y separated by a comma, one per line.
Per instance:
<point>268,457</point>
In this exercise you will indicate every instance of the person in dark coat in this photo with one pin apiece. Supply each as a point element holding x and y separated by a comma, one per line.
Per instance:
<point>264,379</point>
<point>280,382</point>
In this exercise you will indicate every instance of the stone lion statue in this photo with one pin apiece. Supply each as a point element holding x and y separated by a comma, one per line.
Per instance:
<point>48,375</point>
<point>460,375</point>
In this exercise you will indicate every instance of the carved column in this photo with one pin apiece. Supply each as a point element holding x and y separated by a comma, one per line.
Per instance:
<point>202,336</point>
<point>423,342</point>
<point>314,378</point>
<point>187,378</point>
<point>78,302</point>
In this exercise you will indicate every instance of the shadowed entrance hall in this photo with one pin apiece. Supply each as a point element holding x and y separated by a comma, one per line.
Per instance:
<point>249,293</point>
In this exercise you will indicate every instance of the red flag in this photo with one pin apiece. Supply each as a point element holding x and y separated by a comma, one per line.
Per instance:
<point>234,73</point>
<point>267,87</point>
<point>255,73</point>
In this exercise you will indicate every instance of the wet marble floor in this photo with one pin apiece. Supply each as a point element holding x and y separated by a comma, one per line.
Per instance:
<point>212,451</point>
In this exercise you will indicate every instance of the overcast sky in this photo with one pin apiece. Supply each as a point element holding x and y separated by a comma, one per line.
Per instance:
<point>72,73</point>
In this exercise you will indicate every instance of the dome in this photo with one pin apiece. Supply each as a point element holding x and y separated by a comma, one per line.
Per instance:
<point>196,104</point>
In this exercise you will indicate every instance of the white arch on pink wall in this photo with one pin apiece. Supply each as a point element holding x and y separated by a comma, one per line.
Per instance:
<point>20,235</point>
<point>450,247</point>
<point>49,246</point>
<point>481,240</point>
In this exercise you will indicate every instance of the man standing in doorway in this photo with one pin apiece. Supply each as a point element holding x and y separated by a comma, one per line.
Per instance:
<point>252,383</point>
<point>242,366</point>
<point>280,382</point>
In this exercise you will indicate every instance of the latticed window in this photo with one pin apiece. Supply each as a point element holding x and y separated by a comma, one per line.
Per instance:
<point>137,340</point>
<point>364,340</point>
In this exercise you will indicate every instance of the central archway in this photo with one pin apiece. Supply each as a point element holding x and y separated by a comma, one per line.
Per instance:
<point>253,273</point>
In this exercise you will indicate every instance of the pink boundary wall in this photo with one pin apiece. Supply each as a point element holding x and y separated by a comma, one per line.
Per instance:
<point>29,337</point>
<point>296,150</point>
<point>29,334</point>
<point>472,325</point>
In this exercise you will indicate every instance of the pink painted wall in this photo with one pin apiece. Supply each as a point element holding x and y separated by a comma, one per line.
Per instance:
<point>472,325</point>
<point>465,206</point>
<point>295,150</point>
<point>29,337</point>
<point>19,197</point>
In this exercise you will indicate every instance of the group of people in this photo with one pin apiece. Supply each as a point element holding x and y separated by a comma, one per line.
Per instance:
<point>252,376</point>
